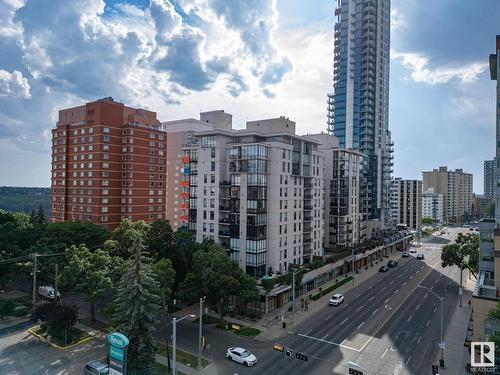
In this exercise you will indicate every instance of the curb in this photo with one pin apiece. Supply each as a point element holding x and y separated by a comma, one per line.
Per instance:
<point>41,338</point>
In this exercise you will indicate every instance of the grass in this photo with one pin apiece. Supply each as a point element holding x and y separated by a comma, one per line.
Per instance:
<point>207,319</point>
<point>162,369</point>
<point>57,335</point>
<point>243,331</point>
<point>331,288</point>
<point>183,357</point>
<point>104,327</point>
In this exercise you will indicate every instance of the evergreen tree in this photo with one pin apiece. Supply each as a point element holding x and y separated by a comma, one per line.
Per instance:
<point>40,217</point>
<point>137,308</point>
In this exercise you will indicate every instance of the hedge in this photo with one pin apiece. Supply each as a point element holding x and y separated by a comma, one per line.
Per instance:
<point>317,296</point>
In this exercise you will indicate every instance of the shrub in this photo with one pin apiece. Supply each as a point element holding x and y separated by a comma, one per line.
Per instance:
<point>6,308</point>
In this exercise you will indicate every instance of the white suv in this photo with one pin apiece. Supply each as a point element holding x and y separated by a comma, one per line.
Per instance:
<point>336,300</point>
<point>241,355</point>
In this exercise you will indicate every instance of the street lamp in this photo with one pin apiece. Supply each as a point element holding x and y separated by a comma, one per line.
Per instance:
<point>441,299</point>
<point>174,341</point>
<point>293,290</point>
<point>199,334</point>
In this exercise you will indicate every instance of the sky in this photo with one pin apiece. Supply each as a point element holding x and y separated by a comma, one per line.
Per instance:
<point>253,58</point>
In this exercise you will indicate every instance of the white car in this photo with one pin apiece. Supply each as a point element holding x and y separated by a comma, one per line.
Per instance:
<point>48,292</point>
<point>241,355</point>
<point>336,300</point>
<point>413,250</point>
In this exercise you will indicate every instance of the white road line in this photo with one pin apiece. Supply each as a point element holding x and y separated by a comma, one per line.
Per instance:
<point>417,306</point>
<point>308,332</point>
<point>382,288</point>
<point>426,294</point>
<point>435,308</point>
<point>391,282</point>
<point>373,313</point>
<point>360,325</point>
<point>343,321</point>
<point>418,341</point>
<point>417,271</point>
<point>404,283</point>
<point>396,291</point>
<point>411,316</point>
<point>371,298</point>
<point>386,350</point>
<point>435,282</point>
<point>386,300</point>
<point>332,343</point>
<point>408,360</point>
<point>359,308</point>
<point>326,318</point>
<point>325,337</point>
<point>344,340</point>
<point>411,277</point>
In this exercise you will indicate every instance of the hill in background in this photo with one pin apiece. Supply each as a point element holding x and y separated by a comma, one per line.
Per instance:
<point>25,199</point>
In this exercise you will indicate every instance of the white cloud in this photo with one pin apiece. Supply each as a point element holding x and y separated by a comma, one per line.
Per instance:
<point>14,84</point>
<point>397,21</point>
<point>420,71</point>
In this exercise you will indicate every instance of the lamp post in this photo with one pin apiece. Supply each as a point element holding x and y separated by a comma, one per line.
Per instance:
<point>200,330</point>
<point>441,299</point>
<point>293,290</point>
<point>174,341</point>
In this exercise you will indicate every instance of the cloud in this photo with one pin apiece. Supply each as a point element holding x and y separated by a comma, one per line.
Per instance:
<point>421,72</point>
<point>14,84</point>
<point>397,21</point>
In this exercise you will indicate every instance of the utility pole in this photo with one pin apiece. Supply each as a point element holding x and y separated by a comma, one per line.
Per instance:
<point>461,288</point>
<point>55,283</point>
<point>174,344</point>
<point>442,337</point>
<point>293,296</point>
<point>352,264</point>
<point>200,332</point>
<point>35,271</point>
<point>165,320</point>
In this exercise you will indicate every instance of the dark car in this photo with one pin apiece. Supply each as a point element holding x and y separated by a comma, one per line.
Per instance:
<point>405,254</point>
<point>383,269</point>
<point>392,263</point>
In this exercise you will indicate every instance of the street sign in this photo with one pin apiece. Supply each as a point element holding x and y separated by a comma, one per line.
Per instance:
<point>278,347</point>
<point>441,345</point>
<point>302,356</point>
<point>289,352</point>
<point>460,292</point>
<point>117,353</point>
<point>355,372</point>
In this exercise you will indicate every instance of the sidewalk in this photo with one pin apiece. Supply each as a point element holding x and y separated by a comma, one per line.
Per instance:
<point>456,355</point>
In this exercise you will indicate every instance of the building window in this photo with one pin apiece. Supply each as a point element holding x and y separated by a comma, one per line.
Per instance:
<point>105,130</point>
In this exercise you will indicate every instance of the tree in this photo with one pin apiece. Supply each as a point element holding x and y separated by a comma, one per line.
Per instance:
<point>165,275</point>
<point>217,277</point>
<point>91,272</point>
<point>57,317</point>
<point>464,253</point>
<point>427,220</point>
<point>137,309</point>
<point>490,209</point>
<point>6,307</point>
<point>125,235</point>
<point>40,217</point>
<point>160,240</point>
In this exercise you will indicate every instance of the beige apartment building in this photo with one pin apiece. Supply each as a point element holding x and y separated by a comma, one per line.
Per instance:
<point>406,203</point>
<point>456,187</point>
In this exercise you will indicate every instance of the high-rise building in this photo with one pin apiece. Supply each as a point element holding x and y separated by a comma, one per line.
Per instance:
<point>489,179</point>
<point>456,187</point>
<point>406,203</point>
<point>344,219</point>
<point>358,107</point>
<point>108,164</point>
<point>258,192</point>
<point>433,206</point>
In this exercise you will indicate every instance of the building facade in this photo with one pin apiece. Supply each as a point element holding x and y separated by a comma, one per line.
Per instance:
<point>258,192</point>
<point>456,187</point>
<point>433,206</point>
<point>489,179</point>
<point>358,107</point>
<point>344,218</point>
<point>406,203</point>
<point>108,164</point>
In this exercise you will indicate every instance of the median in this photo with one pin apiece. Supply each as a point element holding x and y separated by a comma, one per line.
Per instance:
<point>317,296</point>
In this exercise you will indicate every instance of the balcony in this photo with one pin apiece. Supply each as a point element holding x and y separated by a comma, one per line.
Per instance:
<point>224,233</point>
<point>224,222</point>
<point>224,208</point>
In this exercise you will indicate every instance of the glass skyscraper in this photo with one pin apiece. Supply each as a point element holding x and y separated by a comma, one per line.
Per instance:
<point>358,107</point>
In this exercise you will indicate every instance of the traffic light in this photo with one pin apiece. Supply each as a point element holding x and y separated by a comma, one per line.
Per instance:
<point>355,372</point>
<point>435,370</point>
<point>301,356</point>
<point>203,343</point>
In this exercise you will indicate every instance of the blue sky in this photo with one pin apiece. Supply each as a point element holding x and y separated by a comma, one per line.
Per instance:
<point>253,58</point>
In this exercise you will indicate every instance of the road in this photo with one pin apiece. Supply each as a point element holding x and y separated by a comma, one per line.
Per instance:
<point>388,325</point>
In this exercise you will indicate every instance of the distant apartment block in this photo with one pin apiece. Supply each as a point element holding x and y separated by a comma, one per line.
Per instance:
<point>456,187</point>
<point>433,206</point>
<point>108,164</point>
<point>344,217</point>
<point>489,179</point>
<point>406,202</point>
<point>257,191</point>
<point>481,206</point>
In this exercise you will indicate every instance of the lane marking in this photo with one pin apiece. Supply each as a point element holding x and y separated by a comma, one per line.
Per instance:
<point>371,298</point>
<point>404,283</point>
<point>331,343</point>
<point>411,316</point>
<point>408,360</point>
<point>383,288</point>
<point>325,337</point>
<point>417,271</point>
<point>391,282</point>
<point>373,313</point>
<point>343,321</point>
<point>386,300</point>
<point>359,308</point>
<point>308,332</point>
<point>386,350</point>
<point>396,291</point>
<point>426,294</point>
<point>417,306</point>
<point>344,340</point>
<point>418,341</point>
<point>435,308</point>
<point>360,325</point>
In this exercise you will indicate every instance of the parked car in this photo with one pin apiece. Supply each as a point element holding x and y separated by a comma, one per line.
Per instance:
<point>96,368</point>
<point>392,263</point>
<point>241,355</point>
<point>336,300</point>
<point>383,269</point>
<point>413,250</point>
<point>48,292</point>
<point>405,254</point>
<point>420,256</point>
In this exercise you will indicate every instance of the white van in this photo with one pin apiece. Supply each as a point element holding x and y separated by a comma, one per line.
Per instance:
<point>48,292</point>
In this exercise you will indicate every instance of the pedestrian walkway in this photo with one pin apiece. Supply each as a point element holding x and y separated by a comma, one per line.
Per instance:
<point>456,355</point>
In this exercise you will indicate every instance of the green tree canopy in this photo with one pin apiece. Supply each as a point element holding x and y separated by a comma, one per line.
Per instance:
<point>464,253</point>
<point>137,308</point>
<point>427,220</point>
<point>125,235</point>
<point>92,272</point>
<point>217,277</point>
<point>165,275</point>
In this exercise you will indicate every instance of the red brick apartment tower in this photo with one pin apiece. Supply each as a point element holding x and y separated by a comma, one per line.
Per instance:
<point>108,164</point>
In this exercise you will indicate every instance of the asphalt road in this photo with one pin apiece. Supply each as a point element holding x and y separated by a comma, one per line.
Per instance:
<point>388,325</point>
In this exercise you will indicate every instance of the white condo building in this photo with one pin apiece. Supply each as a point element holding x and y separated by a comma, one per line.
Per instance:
<point>433,206</point>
